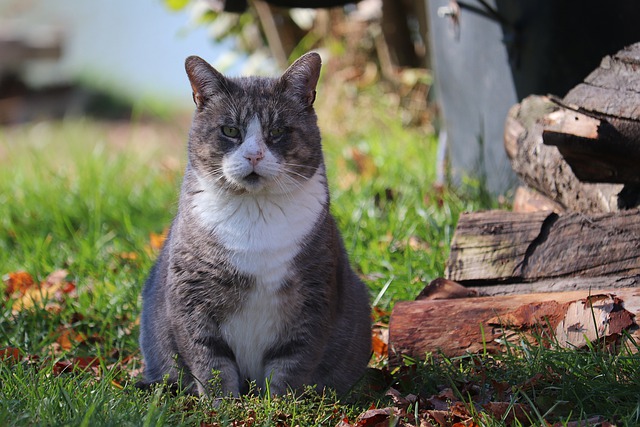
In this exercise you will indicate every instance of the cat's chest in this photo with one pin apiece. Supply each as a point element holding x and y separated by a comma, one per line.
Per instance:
<point>262,234</point>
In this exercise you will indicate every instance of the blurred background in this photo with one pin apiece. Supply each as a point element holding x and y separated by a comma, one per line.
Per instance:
<point>451,68</point>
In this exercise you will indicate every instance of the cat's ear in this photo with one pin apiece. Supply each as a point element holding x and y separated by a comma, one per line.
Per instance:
<point>205,80</point>
<point>302,77</point>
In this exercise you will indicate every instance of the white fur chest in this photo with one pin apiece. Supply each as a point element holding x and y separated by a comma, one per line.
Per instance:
<point>253,329</point>
<point>263,232</point>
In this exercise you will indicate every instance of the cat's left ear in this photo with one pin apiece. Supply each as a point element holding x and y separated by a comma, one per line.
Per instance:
<point>302,77</point>
<point>205,80</point>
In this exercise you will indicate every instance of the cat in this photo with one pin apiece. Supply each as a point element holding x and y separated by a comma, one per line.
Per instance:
<point>253,282</point>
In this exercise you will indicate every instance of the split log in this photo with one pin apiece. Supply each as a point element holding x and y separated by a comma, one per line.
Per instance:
<point>600,132</point>
<point>523,247</point>
<point>543,168</point>
<point>469,325</point>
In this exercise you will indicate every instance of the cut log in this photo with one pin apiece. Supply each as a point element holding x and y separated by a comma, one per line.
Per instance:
<point>596,129</point>
<point>527,200</point>
<point>543,168</point>
<point>469,325</point>
<point>607,106</point>
<point>523,247</point>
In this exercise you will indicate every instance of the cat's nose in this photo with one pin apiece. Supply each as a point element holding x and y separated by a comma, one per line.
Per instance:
<point>254,157</point>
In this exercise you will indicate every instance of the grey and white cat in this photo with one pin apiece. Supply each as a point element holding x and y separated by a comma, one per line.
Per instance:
<point>253,280</point>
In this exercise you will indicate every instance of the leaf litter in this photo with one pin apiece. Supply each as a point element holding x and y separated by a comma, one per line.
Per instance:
<point>52,295</point>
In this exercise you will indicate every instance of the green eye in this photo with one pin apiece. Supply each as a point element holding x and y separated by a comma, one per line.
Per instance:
<point>276,132</point>
<point>230,131</point>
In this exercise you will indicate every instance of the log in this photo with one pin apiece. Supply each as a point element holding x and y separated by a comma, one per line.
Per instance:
<point>526,200</point>
<point>609,103</point>
<point>470,325</point>
<point>524,247</point>
<point>543,168</point>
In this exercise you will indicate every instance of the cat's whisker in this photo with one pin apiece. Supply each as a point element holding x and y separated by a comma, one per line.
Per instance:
<point>298,165</point>
<point>291,182</point>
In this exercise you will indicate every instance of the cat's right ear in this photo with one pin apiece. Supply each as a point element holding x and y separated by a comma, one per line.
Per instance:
<point>204,79</point>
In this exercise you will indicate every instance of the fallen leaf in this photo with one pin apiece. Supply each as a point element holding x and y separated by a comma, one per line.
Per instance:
<point>10,355</point>
<point>460,410</point>
<point>18,282</point>
<point>129,256</point>
<point>156,240</point>
<point>77,364</point>
<point>440,417</point>
<point>365,166</point>
<point>53,288</point>
<point>509,412</point>
<point>442,401</point>
<point>379,341</point>
<point>68,338</point>
<point>374,418</point>
<point>379,313</point>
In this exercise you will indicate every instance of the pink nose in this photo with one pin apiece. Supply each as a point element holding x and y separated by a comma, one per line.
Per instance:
<point>254,158</point>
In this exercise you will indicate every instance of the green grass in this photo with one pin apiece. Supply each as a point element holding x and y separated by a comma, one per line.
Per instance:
<point>84,196</point>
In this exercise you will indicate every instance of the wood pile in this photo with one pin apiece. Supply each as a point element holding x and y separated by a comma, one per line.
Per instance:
<point>564,266</point>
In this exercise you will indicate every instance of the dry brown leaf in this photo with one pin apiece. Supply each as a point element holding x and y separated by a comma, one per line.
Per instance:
<point>440,417</point>
<point>379,341</point>
<point>509,411</point>
<point>128,256</point>
<point>10,355</point>
<point>375,417</point>
<point>53,288</point>
<point>77,364</point>
<point>365,166</point>
<point>442,401</point>
<point>18,282</point>
<point>460,410</point>
<point>156,240</point>
<point>68,338</point>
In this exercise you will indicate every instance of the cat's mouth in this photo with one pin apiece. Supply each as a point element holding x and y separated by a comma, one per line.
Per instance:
<point>252,178</point>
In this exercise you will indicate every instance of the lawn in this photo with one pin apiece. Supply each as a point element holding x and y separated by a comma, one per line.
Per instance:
<point>83,204</point>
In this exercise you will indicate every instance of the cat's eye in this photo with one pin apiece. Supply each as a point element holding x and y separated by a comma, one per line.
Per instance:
<point>230,131</point>
<point>276,132</point>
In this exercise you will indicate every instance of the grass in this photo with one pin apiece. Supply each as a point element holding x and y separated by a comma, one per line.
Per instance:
<point>85,196</point>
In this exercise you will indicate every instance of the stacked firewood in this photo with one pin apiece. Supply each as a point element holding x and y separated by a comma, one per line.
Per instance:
<point>565,263</point>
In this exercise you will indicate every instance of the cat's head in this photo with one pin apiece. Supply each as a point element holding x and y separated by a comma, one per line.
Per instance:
<point>255,134</point>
